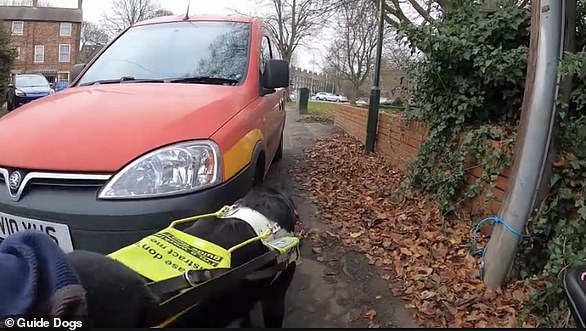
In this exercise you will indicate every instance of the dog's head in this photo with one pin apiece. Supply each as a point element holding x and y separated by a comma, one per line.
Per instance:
<point>274,204</point>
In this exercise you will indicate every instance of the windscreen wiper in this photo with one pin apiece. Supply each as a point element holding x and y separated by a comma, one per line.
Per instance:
<point>203,80</point>
<point>122,79</point>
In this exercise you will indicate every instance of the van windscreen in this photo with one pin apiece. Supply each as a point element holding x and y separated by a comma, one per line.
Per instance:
<point>175,50</point>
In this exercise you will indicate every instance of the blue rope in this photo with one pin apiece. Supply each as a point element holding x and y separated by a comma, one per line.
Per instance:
<point>482,251</point>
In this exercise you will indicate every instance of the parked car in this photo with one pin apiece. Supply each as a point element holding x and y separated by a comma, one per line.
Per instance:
<point>61,85</point>
<point>139,139</point>
<point>325,96</point>
<point>362,102</point>
<point>26,88</point>
<point>342,98</point>
<point>322,96</point>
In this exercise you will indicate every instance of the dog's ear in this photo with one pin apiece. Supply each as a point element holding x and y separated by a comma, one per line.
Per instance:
<point>116,295</point>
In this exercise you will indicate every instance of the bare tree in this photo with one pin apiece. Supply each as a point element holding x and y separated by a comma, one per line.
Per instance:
<point>162,12</point>
<point>93,38</point>
<point>294,21</point>
<point>414,12</point>
<point>352,53</point>
<point>125,13</point>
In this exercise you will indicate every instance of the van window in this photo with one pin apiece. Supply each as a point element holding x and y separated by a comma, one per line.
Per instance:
<point>266,53</point>
<point>175,50</point>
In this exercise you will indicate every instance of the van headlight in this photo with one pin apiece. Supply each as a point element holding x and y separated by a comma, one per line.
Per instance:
<point>175,169</point>
<point>19,93</point>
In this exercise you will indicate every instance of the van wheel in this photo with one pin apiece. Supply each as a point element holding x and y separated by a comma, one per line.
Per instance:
<point>279,153</point>
<point>259,172</point>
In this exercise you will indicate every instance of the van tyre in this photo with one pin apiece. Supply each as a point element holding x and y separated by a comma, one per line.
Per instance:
<point>259,172</point>
<point>279,153</point>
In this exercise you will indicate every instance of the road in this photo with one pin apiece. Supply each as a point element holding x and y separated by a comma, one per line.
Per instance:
<point>338,291</point>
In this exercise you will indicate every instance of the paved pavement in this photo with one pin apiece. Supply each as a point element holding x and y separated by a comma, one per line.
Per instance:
<point>339,291</point>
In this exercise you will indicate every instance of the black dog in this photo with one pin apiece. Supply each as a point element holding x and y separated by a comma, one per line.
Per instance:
<point>118,297</point>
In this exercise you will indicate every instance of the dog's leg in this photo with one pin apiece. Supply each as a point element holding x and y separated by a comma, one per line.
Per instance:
<point>273,305</point>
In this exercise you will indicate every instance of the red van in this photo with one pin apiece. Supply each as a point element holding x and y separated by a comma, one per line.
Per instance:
<point>175,117</point>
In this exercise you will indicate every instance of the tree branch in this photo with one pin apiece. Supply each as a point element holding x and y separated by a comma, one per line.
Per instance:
<point>421,11</point>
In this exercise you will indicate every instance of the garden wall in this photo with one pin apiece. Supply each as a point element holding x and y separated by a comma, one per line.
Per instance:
<point>399,139</point>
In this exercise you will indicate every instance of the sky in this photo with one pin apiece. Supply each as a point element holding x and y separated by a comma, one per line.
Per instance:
<point>306,57</point>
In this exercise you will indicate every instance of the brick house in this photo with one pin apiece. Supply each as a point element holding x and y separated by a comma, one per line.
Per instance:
<point>46,39</point>
<point>314,81</point>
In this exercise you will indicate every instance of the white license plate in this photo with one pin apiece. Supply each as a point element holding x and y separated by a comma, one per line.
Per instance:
<point>10,224</point>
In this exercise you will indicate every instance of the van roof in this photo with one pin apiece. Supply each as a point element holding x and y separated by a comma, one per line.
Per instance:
<point>205,17</point>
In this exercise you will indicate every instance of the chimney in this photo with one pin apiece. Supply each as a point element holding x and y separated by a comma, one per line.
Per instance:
<point>79,4</point>
<point>35,3</point>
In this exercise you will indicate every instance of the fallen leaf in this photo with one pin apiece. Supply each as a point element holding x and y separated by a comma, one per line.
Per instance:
<point>370,314</point>
<point>406,251</point>
<point>403,236</point>
<point>427,295</point>
<point>317,250</point>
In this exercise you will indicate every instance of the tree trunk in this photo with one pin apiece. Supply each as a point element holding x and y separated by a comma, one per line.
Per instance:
<point>353,94</point>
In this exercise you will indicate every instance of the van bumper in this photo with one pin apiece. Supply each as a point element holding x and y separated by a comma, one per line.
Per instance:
<point>104,226</point>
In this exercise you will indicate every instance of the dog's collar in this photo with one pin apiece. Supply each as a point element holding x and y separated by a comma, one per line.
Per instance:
<point>259,222</point>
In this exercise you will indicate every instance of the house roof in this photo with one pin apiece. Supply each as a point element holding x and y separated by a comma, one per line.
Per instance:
<point>13,13</point>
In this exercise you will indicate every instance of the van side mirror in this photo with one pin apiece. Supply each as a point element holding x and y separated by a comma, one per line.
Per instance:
<point>276,74</point>
<point>75,71</point>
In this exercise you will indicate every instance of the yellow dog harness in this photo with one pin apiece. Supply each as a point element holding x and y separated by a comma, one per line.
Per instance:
<point>170,252</point>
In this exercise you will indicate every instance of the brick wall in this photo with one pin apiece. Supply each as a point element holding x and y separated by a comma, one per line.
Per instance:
<point>399,139</point>
<point>46,34</point>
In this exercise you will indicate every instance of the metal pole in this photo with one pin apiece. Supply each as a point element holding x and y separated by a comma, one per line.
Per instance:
<point>373,105</point>
<point>533,142</point>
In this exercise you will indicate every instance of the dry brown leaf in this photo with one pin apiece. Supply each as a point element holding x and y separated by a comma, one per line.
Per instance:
<point>370,314</point>
<point>406,251</point>
<point>404,237</point>
<point>427,295</point>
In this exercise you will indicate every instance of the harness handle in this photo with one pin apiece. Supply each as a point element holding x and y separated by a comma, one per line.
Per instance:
<point>179,304</point>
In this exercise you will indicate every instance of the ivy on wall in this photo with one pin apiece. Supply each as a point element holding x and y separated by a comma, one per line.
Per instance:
<point>468,89</point>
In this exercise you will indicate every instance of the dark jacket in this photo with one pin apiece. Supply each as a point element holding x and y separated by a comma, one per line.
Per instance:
<point>37,280</point>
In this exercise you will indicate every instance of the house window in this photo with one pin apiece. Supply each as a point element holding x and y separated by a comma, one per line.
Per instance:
<point>64,53</point>
<point>18,28</point>
<point>65,30</point>
<point>39,53</point>
<point>63,76</point>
